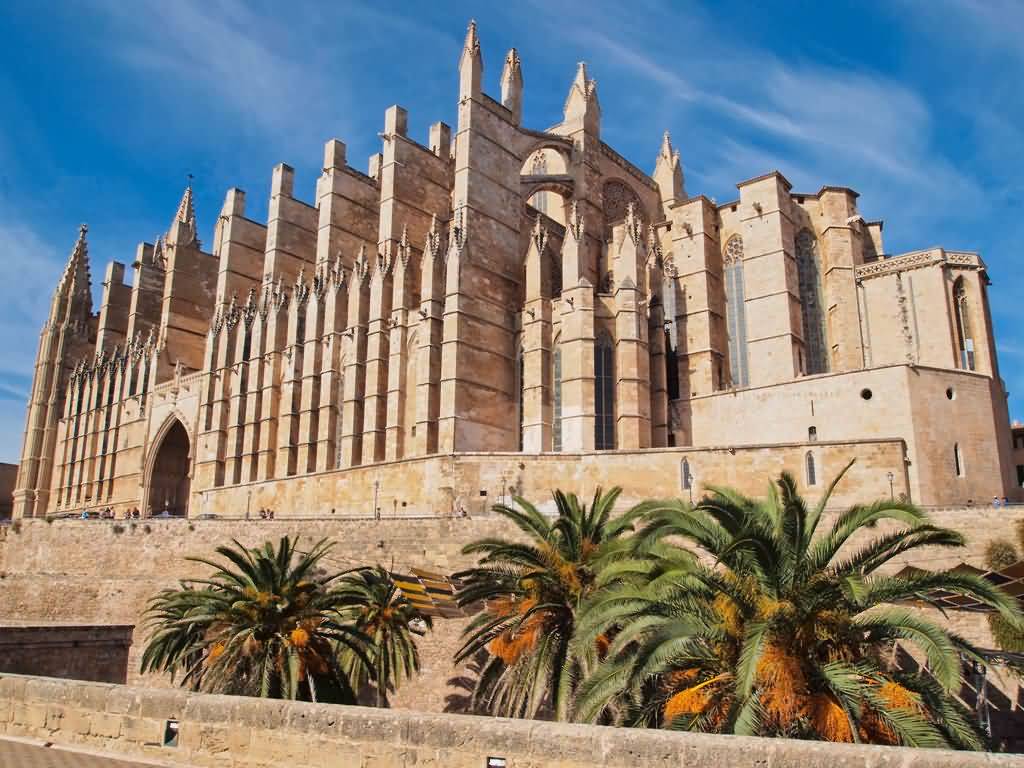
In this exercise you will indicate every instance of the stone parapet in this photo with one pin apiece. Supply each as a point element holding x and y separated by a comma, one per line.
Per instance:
<point>235,731</point>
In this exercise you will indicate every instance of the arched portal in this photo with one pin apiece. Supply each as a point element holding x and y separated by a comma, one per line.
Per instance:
<point>169,474</point>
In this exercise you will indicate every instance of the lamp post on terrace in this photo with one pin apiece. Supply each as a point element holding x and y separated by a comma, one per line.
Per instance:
<point>892,495</point>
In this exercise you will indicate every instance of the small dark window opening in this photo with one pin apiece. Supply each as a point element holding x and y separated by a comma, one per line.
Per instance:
<point>671,369</point>
<point>950,394</point>
<point>866,394</point>
<point>812,434</point>
<point>171,733</point>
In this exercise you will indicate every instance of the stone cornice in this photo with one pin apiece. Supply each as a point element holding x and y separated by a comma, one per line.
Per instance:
<point>919,260</point>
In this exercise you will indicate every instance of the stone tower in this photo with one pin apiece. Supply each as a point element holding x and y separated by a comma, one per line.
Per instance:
<point>67,335</point>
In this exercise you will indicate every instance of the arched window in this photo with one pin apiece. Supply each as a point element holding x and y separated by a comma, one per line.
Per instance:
<point>958,460</point>
<point>556,391</point>
<point>685,475</point>
<point>963,325</point>
<point>812,475</point>
<point>812,434</point>
<point>604,392</point>
<point>808,270</point>
<point>735,312</point>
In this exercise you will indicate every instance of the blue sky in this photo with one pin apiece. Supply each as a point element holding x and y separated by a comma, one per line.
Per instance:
<point>106,106</point>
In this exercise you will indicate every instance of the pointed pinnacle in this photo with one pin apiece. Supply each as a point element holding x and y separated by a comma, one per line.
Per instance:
<point>512,62</point>
<point>186,213</point>
<point>581,78</point>
<point>472,44</point>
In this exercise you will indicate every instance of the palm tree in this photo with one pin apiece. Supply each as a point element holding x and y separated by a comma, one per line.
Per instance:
<point>265,623</point>
<point>530,590</point>
<point>782,630</point>
<point>384,616</point>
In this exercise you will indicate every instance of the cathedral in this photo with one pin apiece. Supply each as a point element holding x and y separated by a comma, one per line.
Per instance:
<point>508,310</point>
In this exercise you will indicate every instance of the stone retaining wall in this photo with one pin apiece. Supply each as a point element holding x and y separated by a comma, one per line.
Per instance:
<point>97,653</point>
<point>103,572</point>
<point>231,732</point>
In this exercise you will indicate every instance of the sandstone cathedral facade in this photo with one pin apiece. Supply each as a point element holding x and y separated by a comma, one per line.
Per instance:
<point>514,309</point>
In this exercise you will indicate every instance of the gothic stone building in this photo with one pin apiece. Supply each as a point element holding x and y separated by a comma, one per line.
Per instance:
<point>509,309</point>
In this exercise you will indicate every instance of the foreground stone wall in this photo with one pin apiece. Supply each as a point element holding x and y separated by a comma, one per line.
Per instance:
<point>227,731</point>
<point>98,653</point>
<point>101,572</point>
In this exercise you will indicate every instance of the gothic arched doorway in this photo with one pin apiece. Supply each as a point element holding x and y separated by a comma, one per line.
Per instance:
<point>169,476</point>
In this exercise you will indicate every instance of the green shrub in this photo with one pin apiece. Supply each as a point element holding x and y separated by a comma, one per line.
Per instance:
<point>999,555</point>
<point>1006,637</point>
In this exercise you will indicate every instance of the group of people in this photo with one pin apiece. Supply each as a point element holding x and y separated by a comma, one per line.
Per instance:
<point>265,514</point>
<point>108,513</point>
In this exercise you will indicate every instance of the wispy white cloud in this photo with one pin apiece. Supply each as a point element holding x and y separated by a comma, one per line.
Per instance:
<point>29,268</point>
<point>222,56</point>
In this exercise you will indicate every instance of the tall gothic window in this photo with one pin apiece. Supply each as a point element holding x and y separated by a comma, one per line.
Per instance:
<point>556,276</point>
<point>965,342</point>
<point>735,312</point>
<point>812,473</point>
<point>958,460</point>
<point>808,270</point>
<point>539,167</point>
<point>604,392</point>
<point>521,394</point>
<point>556,387</point>
<point>671,368</point>
<point>339,425</point>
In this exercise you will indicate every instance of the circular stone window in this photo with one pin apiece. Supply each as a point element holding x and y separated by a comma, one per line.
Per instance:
<point>950,393</point>
<point>866,394</point>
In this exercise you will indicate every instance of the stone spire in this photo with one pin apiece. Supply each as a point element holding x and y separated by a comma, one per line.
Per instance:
<point>512,85</point>
<point>73,297</point>
<point>471,65</point>
<point>668,173</point>
<point>183,227</point>
<point>581,103</point>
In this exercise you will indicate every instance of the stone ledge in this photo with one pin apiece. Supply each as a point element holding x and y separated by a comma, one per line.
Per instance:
<point>228,730</point>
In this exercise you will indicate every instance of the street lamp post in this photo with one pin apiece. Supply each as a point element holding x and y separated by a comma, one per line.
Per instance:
<point>892,495</point>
